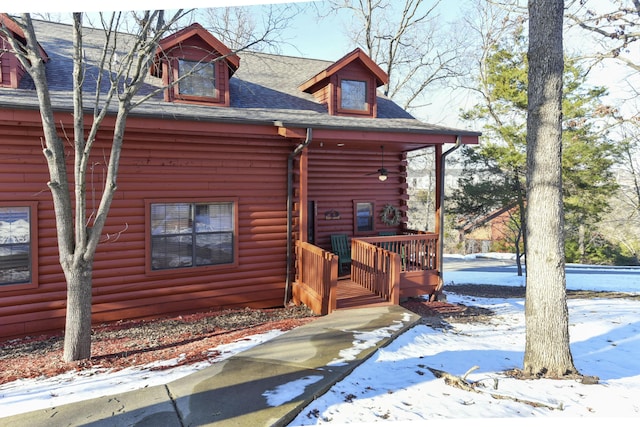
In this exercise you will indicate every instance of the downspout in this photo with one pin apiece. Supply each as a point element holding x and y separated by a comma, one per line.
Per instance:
<point>441,231</point>
<point>292,156</point>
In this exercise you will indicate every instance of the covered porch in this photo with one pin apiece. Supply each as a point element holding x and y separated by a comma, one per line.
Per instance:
<point>343,181</point>
<point>383,271</point>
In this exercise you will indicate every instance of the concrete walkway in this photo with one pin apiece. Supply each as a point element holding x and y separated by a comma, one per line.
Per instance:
<point>244,389</point>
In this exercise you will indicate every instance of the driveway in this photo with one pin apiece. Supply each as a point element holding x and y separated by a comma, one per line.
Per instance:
<point>487,265</point>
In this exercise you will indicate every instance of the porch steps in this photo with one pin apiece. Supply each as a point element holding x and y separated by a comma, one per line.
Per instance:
<point>351,295</point>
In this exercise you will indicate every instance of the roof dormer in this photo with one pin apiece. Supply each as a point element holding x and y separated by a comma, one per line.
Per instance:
<point>195,67</point>
<point>11,69</point>
<point>348,86</point>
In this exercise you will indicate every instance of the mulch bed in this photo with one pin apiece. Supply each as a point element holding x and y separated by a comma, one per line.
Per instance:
<point>190,338</point>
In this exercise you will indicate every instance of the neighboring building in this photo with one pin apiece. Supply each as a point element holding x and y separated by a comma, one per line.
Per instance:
<point>222,177</point>
<point>493,232</point>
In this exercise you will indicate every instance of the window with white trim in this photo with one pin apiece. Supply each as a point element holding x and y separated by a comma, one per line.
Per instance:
<point>189,235</point>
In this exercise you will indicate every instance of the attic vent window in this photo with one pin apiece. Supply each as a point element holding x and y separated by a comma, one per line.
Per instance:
<point>353,95</point>
<point>198,79</point>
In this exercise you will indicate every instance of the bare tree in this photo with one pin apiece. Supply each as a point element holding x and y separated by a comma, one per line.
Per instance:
<point>615,23</point>
<point>622,226</point>
<point>615,30</point>
<point>122,66</point>
<point>79,234</point>
<point>408,40</point>
<point>259,27</point>
<point>421,178</point>
<point>631,167</point>
<point>547,350</point>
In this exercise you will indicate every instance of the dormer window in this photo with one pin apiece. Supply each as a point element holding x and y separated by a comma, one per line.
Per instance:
<point>195,67</point>
<point>197,79</point>
<point>353,95</point>
<point>348,87</point>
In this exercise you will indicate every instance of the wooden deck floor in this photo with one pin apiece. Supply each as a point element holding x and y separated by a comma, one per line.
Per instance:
<point>351,295</point>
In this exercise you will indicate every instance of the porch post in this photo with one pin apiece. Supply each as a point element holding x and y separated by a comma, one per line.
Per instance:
<point>439,187</point>
<point>439,228</point>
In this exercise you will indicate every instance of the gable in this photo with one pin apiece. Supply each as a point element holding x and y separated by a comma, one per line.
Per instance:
<point>348,86</point>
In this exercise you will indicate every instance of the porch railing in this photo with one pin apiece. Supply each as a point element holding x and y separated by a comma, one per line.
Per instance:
<point>391,267</point>
<point>317,278</point>
<point>376,269</point>
<point>417,251</point>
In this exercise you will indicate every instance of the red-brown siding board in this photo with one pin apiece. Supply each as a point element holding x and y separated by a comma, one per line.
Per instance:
<point>171,303</point>
<point>225,283</point>
<point>381,136</point>
<point>12,301</point>
<point>31,311</point>
<point>50,324</point>
<point>182,307</point>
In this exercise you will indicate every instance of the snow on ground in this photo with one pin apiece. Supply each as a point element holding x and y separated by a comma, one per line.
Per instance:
<point>579,276</point>
<point>395,385</point>
<point>39,393</point>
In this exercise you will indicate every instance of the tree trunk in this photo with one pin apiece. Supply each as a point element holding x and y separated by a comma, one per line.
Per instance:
<point>522,212</point>
<point>518,255</point>
<point>581,244</point>
<point>77,335</point>
<point>547,351</point>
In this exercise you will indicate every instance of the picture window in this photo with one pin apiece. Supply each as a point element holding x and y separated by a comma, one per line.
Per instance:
<point>188,235</point>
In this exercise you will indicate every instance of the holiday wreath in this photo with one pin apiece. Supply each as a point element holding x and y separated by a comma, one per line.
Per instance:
<point>390,215</point>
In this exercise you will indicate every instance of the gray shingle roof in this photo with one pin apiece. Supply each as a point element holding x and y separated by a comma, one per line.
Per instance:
<point>263,90</point>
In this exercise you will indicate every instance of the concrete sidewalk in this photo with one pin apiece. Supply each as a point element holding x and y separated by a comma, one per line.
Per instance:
<point>248,388</point>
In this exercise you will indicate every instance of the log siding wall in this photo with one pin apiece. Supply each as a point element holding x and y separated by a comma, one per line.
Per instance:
<point>338,177</point>
<point>166,160</point>
<point>189,161</point>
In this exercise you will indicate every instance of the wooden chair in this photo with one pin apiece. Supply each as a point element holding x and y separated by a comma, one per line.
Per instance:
<point>388,246</point>
<point>340,246</point>
<point>385,245</point>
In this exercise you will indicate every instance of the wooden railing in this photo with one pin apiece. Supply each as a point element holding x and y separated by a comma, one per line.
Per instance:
<point>317,278</point>
<point>417,251</point>
<point>391,267</point>
<point>376,269</point>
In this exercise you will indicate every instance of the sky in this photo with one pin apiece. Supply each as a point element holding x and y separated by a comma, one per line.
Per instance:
<point>400,390</point>
<point>84,6</point>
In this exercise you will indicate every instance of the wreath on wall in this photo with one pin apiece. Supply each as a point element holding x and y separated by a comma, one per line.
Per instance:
<point>390,215</point>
